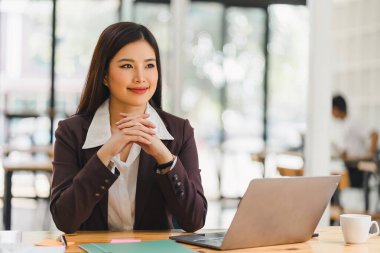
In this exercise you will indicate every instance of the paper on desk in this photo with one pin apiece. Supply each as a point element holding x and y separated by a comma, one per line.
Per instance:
<point>50,242</point>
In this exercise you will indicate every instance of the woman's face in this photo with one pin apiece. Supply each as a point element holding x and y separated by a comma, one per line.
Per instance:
<point>132,75</point>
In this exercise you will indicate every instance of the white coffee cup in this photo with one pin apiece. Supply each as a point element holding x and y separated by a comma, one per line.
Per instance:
<point>356,227</point>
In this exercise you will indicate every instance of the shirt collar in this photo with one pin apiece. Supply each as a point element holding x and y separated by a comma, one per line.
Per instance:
<point>99,131</point>
<point>160,129</point>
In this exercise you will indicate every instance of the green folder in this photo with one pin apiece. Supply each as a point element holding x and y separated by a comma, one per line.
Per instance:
<point>167,246</point>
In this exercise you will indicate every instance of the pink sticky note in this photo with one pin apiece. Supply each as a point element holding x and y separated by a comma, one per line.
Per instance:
<point>124,240</point>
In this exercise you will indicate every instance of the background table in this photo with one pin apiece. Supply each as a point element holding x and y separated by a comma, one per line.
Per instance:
<point>9,168</point>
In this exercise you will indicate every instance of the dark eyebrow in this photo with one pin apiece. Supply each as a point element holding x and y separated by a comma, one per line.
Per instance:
<point>131,60</point>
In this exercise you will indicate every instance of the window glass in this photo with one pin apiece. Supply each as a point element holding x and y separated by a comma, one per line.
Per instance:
<point>203,83</point>
<point>288,76</point>
<point>243,67</point>
<point>244,64</point>
<point>25,52</point>
<point>79,25</point>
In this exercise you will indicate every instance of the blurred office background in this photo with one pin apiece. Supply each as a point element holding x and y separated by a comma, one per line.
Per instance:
<point>241,72</point>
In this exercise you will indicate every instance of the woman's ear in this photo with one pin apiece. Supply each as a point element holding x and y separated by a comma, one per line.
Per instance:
<point>105,80</point>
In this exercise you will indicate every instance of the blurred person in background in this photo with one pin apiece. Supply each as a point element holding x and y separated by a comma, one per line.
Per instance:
<point>121,162</point>
<point>352,141</point>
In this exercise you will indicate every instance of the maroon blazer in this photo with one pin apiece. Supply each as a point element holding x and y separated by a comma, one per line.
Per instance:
<point>79,196</point>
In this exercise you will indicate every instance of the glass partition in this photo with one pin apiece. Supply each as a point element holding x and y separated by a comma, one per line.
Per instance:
<point>202,86</point>
<point>243,65</point>
<point>287,76</point>
<point>25,42</point>
<point>79,25</point>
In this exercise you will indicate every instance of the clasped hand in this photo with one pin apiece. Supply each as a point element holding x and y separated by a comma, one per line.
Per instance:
<point>134,129</point>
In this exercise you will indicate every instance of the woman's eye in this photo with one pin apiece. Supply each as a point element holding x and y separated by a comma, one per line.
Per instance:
<point>127,66</point>
<point>150,65</point>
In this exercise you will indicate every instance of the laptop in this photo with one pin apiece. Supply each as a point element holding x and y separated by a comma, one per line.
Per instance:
<point>272,211</point>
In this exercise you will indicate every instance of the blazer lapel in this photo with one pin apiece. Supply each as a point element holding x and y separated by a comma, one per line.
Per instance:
<point>145,180</point>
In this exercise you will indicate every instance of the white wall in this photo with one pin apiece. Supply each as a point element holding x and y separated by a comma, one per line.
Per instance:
<point>356,65</point>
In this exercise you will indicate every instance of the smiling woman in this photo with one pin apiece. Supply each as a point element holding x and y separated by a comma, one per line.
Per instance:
<point>121,163</point>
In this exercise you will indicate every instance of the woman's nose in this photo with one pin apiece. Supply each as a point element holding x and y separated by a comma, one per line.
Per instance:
<point>139,76</point>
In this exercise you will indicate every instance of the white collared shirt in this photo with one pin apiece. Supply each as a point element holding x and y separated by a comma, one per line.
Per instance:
<point>350,136</point>
<point>121,195</point>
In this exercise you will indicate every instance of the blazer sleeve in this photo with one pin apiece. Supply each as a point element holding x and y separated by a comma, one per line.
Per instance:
<point>182,186</point>
<point>75,189</point>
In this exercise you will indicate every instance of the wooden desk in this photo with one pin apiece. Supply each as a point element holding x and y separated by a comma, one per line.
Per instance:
<point>9,168</point>
<point>330,240</point>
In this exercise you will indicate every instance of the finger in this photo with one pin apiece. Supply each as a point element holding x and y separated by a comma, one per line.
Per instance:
<point>143,145</point>
<point>138,139</point>
<point>128,117</point>
<point>147,123</point>
<point>134,115</point>
<point>137,132</point>
<point>128,124</point>
<point>139,122</point>
<point>143,129</point>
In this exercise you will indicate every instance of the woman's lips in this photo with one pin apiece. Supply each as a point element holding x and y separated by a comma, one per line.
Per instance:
<point>138,90</point>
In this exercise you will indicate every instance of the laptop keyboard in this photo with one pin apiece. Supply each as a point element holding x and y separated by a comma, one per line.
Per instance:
<point>216,242</point>
<point>213,235</point>
<point>214,239</point>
